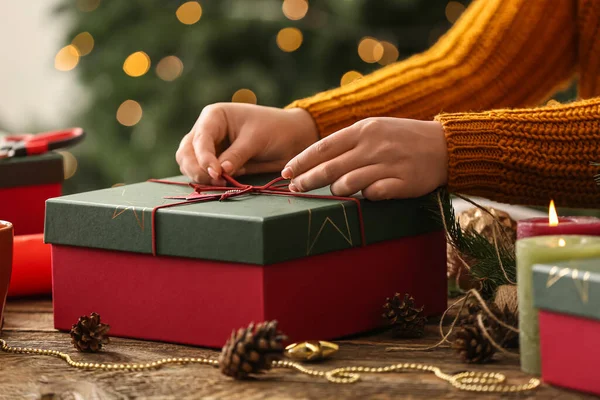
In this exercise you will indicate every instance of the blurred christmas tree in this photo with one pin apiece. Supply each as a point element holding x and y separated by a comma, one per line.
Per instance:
<point>150,66</point>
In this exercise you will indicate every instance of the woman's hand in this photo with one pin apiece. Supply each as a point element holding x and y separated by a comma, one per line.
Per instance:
<point>384,158</point>
<point>243,139</point>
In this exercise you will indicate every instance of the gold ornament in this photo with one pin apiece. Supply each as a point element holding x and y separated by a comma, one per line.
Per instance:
<point>479,221</point>
<point>312,350</point>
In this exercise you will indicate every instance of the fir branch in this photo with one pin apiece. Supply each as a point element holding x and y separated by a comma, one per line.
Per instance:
<point>488,260</point>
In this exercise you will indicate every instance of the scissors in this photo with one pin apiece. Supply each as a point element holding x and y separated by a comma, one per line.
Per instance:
<point>31,144</point>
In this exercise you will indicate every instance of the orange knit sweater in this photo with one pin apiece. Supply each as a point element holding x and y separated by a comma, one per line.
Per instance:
<point>500,55</point>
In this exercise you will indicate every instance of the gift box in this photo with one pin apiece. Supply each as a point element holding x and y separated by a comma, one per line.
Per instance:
<point>567,295</point>
<point>191,273</point>
<point>25,184</point>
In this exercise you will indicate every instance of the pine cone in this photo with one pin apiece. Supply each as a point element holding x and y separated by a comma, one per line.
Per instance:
<point>407,321</point>
<point>251,350</point>
<point>472,346</point>
<point>503,336</point>
<point>506,337</point>
<point>89,334</point>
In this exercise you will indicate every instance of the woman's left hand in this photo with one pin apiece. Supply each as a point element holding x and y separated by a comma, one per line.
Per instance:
<point>385,158</point>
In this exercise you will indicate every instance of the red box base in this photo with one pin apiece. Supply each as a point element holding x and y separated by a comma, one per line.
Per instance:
<point>200,302</point>
<point>569,366</point>
<point>24,206</point>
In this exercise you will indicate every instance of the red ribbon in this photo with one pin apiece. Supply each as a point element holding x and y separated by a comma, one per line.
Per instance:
<point>240,189</point>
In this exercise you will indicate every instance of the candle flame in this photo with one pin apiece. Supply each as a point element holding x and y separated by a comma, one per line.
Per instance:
<point>562,242</point>
<point>552,216</point>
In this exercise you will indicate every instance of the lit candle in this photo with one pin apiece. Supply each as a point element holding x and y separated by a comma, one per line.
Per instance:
<point>555,225</point>
<point>543,249</point>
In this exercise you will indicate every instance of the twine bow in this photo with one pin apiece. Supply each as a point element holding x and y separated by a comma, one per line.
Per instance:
<point>202,193</point>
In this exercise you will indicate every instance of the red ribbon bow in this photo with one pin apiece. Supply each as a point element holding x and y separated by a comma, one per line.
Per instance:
<point>240,189</point>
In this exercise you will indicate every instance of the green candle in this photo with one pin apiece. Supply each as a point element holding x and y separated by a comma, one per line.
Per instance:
<point>537,250</point>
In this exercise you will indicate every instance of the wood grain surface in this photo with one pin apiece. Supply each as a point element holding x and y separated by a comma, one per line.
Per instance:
<point>28,323</point>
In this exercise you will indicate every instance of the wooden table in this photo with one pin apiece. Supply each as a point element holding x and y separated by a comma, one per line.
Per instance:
<point>28,323</point>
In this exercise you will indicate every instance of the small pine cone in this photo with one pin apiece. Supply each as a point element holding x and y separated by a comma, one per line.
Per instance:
<point>506,337</point>
<point>472,346</point>
<point>89,334</point>
<point>407,321</point>
<point>251,350</point>
<point>503,336</point>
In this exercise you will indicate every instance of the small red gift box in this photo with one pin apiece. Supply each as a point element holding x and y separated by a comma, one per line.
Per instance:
<point>568,297</point>
<point>25,185</point>
<point>223,264</point>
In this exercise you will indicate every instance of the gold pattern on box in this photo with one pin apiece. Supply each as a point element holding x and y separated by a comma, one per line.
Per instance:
<point>582,285</point>
<point>310,244</point>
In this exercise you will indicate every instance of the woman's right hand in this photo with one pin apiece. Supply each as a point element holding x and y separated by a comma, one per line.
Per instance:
<point>240,139</point>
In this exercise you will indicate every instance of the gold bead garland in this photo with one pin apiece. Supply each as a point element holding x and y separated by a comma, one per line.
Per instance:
<point>468,381</point>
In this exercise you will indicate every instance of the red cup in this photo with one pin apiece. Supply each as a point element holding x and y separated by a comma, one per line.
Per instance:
<point>6,257</point>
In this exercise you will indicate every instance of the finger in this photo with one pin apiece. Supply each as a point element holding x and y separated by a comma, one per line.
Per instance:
<point>237,154</point>
<point>321,151</point>
<point>388,188</point>
<point>209,131</point>
<point>358,179</point>
<point>260,167</point>
<point>328,172</point>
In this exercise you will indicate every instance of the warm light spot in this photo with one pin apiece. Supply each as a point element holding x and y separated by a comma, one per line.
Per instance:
<point>169,68</point>
<point>350,77</point>
<point>454,9</point>
<point>129,113</point>
<point>244,96</point>
<point>562,242</point>
<point>87,5</point>
<point>137,64</point>
<point>189,13</point>
<point>295,9</point>
<point>69,164</point>
<point>552,216</point>
<point>370,50</point>
<point>390,53</point>
<point>289,39</point>
<point>118,184</point>
<point>84,43</point>
<point>67,58</point>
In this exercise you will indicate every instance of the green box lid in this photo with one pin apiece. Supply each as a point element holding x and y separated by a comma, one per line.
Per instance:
<point>32,170</point>
<point>256,229</point>
<point>571,287</point>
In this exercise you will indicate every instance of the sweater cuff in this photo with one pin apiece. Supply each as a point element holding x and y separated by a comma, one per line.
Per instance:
<point>475,154</point>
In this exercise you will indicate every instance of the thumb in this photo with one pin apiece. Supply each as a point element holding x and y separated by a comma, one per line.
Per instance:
<point>236,156</point>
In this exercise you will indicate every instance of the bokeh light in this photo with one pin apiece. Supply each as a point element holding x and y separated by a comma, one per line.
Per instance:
<point>244,96</point>
<point>295,9</point>
<point>137,64</point>
<point>189,13</point>
<point>370,50</point>
<point>169,68</point>
<point>350,77</point>
<point>390,53</point>
<point>289,39</point>
<point>84,43</point>
<point>67,58</point>
<point>454,9</point>
<point>129,113</point>
<point>69,164</point>
<point>87,5</point>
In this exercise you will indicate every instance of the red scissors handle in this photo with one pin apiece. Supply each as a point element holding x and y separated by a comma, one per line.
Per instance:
<point>28,144</point>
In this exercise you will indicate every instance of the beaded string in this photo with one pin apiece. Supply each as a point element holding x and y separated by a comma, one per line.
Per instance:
<point>236,189</point>
<point>467,381</point>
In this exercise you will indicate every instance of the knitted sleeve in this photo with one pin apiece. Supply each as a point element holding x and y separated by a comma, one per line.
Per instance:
<point>500,53</point>
<point>527,156</point>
